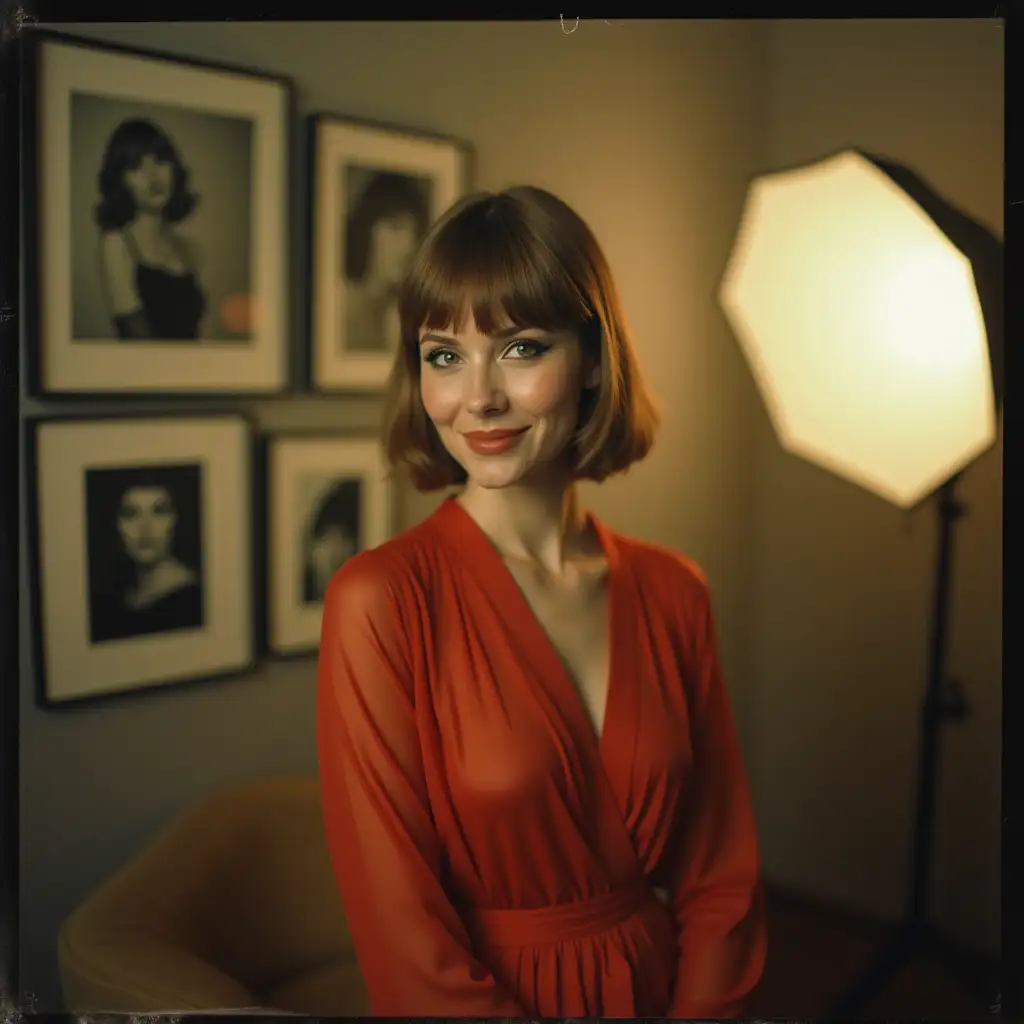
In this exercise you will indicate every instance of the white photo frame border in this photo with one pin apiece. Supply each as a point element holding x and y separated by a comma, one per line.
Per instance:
<point>333,142</point>
<point>69,668</point>
<point>62,365</point>
<point>293,628</point>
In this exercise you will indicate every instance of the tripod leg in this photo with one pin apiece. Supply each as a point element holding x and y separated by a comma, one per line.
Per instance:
<point>891,958</point>
<point>912,937</point>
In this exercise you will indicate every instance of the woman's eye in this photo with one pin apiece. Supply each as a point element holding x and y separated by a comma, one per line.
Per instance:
<point>439,357</point>
<point>527,349</point>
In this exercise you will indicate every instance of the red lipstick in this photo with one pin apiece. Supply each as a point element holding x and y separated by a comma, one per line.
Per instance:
<point>493,442</point>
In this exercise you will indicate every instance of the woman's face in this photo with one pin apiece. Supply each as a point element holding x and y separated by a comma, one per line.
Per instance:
<point>150,183</point>
<point>331,550</point>
<point>527,382</point>
<point>146,521</point>
<point>392,244</point>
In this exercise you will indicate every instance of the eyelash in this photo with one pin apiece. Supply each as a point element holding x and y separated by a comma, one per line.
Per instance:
<point>538,347</point>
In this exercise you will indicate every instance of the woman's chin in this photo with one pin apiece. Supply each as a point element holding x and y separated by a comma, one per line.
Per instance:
<point>495,476</point>
<point>514,473</point>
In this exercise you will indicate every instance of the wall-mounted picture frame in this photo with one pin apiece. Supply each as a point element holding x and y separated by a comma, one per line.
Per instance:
<point>328,497</point>
<point>142,555</point>
<point>374,191</point>
<point>157,205</point>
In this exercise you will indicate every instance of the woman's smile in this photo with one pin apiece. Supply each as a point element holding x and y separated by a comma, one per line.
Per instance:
<point>494,442</point>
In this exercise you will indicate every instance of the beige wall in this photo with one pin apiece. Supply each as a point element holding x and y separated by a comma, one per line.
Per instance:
<point>651,130</point>
<point>842,582</point>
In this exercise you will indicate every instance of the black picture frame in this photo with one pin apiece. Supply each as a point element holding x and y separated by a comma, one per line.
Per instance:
<point>61,365</point>
<point>406,173</point>
<point>99,671</point>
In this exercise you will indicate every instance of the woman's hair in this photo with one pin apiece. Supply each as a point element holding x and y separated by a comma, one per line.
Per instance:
<point>339,506</point>
<point>130,142</point>
<point>521,255</point>
<point>387,195</point>
<point>145,478</point>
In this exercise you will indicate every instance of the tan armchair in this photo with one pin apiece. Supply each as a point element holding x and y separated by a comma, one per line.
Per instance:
<point>232,905</point>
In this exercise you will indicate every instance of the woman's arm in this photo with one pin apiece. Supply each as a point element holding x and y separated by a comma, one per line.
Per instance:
<point>118,271</point>
<point>717,893</point>
<point>413,949</point>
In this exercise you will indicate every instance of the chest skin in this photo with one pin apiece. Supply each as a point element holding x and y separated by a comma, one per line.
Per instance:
<point>573,612</point>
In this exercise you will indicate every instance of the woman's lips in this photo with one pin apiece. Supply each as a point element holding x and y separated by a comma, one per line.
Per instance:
<point>493,442</point>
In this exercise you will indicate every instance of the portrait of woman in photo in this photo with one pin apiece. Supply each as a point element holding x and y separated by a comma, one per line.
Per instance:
<point>386,223</point>
<point>144,560</point>
<point>332,536</point>
<point>150,271</point>
<point>533,793</point>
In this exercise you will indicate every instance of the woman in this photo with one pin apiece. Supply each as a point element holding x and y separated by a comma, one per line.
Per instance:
<point>148,589</point>
<point>333,537</point>
<point>150,271</point>
<point>382,233</point>
<point>532,790</point>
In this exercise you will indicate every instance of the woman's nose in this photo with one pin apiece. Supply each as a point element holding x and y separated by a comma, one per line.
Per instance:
<point>485,392</point>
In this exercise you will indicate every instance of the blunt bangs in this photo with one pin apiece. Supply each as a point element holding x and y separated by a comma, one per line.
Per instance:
<point>488,262</point>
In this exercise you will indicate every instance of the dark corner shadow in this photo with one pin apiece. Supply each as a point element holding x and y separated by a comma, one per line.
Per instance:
<point>982,248</point>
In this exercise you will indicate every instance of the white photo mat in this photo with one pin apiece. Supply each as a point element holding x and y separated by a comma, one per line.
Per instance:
<point>294,626</point>
<point>69,365</point>
<point>73,667</point>
<point>338,144</point>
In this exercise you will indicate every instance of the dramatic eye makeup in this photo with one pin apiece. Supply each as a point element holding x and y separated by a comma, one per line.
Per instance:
<point>442,357</point>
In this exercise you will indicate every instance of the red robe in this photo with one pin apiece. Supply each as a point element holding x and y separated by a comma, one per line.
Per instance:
<point>495,856</point>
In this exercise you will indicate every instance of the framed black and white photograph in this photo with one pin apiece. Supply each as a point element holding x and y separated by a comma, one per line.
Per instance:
<point>328,498</point>
<point>375,191</point>
<point>143,552</point>
<point>158,249</point>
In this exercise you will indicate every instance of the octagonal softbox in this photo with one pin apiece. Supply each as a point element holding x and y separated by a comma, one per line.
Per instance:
<point>862,325</point>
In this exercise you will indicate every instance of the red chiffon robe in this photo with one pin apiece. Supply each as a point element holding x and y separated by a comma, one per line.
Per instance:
<point>495,856</point>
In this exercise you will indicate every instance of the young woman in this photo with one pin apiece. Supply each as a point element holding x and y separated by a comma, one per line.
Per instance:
<point>150,271</point>
<point>532,790</point>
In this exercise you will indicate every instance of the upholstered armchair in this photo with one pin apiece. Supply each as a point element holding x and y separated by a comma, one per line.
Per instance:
<point>232,905</point>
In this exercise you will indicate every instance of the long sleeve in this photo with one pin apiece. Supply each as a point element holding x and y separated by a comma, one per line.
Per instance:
<point>413,949</point>
<point>717,894</point>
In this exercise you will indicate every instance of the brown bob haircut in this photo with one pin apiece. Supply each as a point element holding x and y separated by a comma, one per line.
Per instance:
<point>521,256</point>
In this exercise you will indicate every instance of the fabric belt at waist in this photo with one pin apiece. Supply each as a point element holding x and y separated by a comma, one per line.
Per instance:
<point>562,921</point>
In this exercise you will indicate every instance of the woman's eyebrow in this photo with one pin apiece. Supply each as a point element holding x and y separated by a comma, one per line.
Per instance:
<point>498,335</point>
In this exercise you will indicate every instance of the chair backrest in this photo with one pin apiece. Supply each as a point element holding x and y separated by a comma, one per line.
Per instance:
<point>279,908</point>
<point>242,882</point>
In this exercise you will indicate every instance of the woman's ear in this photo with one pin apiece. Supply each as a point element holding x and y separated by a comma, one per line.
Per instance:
<point>592,379</point>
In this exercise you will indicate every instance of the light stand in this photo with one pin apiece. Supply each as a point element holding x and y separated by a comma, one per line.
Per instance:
<point>852,282</point>
<point>943,701</point>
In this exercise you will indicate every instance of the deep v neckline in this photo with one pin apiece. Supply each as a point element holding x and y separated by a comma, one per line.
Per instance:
<point>483,558</point>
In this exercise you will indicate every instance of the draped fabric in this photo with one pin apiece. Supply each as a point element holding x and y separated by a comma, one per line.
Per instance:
<point>496,856</point>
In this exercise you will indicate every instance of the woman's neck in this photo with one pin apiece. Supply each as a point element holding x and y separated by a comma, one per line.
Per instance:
<point>154,581</point>
<point>147,228</point>
<point>543,525</point>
